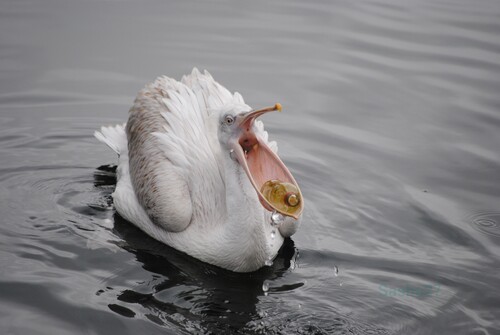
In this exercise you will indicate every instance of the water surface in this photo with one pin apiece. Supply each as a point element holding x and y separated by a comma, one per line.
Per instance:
<point>391,127</point>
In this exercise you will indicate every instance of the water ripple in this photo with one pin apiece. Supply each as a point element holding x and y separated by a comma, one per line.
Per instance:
<point>486,222</point>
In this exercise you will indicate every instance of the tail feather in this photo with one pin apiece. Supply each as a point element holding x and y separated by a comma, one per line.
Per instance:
<point>114,137</point>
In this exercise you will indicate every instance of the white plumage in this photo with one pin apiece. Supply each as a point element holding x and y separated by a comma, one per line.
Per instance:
<point>180,183</point>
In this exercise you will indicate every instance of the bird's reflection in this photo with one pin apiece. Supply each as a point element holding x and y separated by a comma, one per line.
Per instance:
<point>215,297</point>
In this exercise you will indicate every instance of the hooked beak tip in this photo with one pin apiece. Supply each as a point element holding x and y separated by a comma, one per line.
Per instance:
<point>251,116</point>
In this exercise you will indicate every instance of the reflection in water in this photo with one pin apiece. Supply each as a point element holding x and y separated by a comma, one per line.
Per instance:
<point>221,297</point>
<point>210,292</point>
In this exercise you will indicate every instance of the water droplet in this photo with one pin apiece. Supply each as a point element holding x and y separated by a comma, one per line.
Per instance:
<point>276,218</point>
<point>265,287</point>
<point>226,301</point>
<point>300,306</point>
<point>273,234</point>
<point>341,284</point>
<point>269,262</point>
<point>335,270</point>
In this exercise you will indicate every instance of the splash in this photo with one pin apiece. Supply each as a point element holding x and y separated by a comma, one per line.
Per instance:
<point>265,287</point>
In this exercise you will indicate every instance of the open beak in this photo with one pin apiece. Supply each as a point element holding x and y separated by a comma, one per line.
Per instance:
<point>277,189</point>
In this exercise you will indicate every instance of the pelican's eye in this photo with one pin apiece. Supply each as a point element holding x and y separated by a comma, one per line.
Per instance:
<point>229,120</point>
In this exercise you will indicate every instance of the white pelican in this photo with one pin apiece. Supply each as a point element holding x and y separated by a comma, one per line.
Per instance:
<point>196,171</point>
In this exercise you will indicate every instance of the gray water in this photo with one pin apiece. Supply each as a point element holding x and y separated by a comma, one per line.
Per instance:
<point>391,126</point>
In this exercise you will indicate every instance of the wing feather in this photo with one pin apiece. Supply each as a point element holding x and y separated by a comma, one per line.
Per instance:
<point>174,151</point>
<point>160,188</point>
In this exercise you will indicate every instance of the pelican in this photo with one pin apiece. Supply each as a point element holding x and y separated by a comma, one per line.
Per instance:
<point>197,172</point>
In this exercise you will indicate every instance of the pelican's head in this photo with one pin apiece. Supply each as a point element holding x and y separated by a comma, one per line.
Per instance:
<point>275,186</point>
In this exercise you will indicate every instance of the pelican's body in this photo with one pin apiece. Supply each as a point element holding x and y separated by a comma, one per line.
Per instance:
<point>179,180</point>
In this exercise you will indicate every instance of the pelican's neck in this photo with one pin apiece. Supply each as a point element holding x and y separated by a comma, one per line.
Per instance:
<point>247,223</point>
<point>221,191</point>
<point>242,203</point>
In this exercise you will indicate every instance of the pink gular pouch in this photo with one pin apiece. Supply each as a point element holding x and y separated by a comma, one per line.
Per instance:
<point>277,189</point>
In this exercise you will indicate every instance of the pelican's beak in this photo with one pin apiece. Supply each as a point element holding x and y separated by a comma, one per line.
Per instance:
<point>274,184</point>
